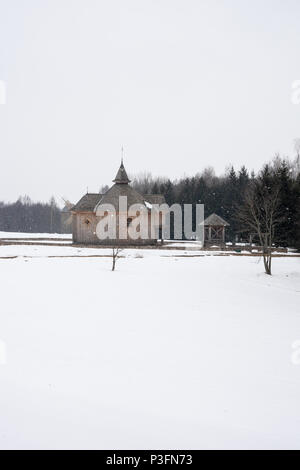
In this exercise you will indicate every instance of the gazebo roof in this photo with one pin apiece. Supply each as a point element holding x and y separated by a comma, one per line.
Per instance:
<point>215,220</point>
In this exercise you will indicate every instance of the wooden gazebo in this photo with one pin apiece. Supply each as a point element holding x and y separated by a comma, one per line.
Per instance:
<point>214,230</point>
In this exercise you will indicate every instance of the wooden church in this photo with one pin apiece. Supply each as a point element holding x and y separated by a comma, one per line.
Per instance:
<point>85,220</point>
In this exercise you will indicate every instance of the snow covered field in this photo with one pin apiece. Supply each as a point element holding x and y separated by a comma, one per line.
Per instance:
<point>165,352</point>
<point>21,235</point>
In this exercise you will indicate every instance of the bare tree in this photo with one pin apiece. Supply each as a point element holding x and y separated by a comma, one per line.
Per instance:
<point>297,160</point>
<point>297,146</point>
<point>209,176</point>
<point>115,255</point>
<point>103,189</point>
<point>259,214</point>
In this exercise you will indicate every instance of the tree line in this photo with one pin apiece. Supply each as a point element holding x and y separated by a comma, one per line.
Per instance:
<point>224,195</point>
<point>25,215</point>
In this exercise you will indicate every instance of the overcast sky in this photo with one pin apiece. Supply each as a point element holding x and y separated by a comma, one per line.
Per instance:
<point>182,84</point>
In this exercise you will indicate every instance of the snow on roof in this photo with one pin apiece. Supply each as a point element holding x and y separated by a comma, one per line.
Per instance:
<point>215,220</point>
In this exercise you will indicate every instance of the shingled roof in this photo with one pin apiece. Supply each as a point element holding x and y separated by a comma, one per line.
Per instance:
<point>121,177</point>
<point>119,189</point>
<point>155,198</point>
<point>87,203</point>
<point>215,220</point>
<point>90,201</point>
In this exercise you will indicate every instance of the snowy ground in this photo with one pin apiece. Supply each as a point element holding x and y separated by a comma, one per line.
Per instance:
<point>166,352</point>
<point>21,235</point>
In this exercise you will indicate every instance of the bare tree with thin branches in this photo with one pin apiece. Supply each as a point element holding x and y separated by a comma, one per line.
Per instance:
<point>259,214</point>
<point>297,150</point>
<point>115,256</point>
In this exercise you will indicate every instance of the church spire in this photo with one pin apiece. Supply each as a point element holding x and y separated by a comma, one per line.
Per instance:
<point>121,177</point>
